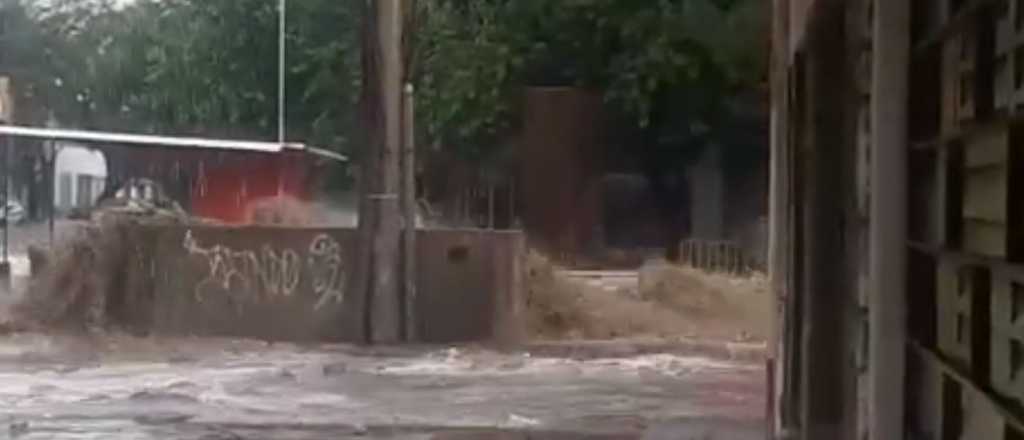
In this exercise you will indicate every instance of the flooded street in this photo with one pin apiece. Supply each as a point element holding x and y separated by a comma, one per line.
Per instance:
<point>119,387</point>
<point>127,388</point>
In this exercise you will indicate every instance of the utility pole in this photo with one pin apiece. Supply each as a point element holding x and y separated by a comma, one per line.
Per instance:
<point>282,32</point>
<point>377,285</point>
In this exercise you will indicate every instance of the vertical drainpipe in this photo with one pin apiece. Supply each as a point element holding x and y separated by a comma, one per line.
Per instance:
<point>7,207</point>
<point>6,117</point>
<point>408,199</point>
<point>887,231</point>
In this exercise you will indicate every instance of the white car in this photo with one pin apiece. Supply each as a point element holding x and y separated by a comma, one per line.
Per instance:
<point>15,212</point>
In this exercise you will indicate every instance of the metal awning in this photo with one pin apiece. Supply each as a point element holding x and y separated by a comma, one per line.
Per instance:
<point>166,141</point>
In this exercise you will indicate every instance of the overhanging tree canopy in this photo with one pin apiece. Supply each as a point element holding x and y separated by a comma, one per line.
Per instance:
<point>210,66</point>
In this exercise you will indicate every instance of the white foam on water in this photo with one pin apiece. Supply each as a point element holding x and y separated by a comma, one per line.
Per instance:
<point>20,265</point>
<point>453,363</point>
<point>518,421</point>
<point>448,388</point>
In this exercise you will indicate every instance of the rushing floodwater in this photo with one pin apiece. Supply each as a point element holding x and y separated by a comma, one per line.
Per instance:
<point>123,388</point>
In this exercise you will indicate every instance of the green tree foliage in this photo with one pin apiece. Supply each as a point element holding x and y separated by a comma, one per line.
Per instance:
<point>466,68</point>
<point>646,57</point>
<point>210,67</point>
<point>201,66</point>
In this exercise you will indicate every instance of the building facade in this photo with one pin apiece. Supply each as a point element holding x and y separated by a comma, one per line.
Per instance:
<point>897,231</point>
<point>80,176</point>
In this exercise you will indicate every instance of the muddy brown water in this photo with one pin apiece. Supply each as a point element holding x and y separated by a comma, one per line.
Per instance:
<point>124,388</point>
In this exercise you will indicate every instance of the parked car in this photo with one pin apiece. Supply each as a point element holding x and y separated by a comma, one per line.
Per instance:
<point>14,212</point>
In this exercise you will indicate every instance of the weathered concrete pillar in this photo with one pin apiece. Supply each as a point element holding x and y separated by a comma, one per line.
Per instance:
<point>825,294</point>
<point>778,213</point>
<point>887,233</point>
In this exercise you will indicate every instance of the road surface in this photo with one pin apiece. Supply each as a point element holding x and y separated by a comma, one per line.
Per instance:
<point>115,387</point>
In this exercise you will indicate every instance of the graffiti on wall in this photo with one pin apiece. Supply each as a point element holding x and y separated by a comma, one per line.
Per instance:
<point>325,265</point>
<point>269,272</point>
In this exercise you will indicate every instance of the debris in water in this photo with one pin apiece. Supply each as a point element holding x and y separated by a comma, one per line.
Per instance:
<point>18,429</point>
<point>71,286</point>
<point>518,421</point>
<point>671,302</point>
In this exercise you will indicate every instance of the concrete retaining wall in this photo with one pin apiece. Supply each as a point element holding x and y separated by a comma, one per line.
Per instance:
<point>291,284</point>
<point>470,285</point>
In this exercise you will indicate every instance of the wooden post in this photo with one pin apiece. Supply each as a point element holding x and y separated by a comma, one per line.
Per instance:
<point>695,259</point>
<point>408,199</point>
<point>730,262</point>
<point>887,231</point>
<point>723,250</point>
<point>490,204</point>
<point>705,251</point>
<point>716,255</point>
<point>512,203</point>
<point>712,255</point>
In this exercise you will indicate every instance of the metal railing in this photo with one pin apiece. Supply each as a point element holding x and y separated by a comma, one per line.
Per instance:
<point>716,256</point>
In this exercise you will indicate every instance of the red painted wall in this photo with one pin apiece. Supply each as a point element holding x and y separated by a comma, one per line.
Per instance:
<point>226,191</point>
